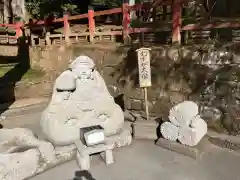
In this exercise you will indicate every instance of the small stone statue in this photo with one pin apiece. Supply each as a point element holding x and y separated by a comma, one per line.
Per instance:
<point>80,99</point>
<point>185,124</point>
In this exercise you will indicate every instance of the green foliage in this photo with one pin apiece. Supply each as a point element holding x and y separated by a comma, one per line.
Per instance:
<point>33,7</point>
<point>40,8</point>
<point>109,3</point>
<point>71,8</point>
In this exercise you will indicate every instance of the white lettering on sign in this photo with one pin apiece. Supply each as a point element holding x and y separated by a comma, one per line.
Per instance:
<point>144,67</point>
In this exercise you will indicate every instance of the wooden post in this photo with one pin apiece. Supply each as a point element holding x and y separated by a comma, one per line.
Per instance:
<point>18,29</point>
<point>186,33</point>
<point>144,70</point>
<point>66,28</point>
<point>126,21</point>
<point>132,13</point>
<point>31,37</point>
<point>47,39</point>
<point>146,103</point>
<point>176,21</point>
<point>91,24</point>
<point>164,12</point>
<point>154,14</point>
<point>142,39</point>
<point>47,23</point>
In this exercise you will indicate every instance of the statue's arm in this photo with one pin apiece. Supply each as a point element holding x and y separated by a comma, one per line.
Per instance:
<point>64,85</point>
<point>101,83</point>
<point>66,81</point>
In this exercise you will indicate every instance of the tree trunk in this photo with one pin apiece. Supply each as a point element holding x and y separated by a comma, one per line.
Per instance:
<point>18,8</point>
<point>1,11</point>
<point>6,11</point>
<point>11,9</point>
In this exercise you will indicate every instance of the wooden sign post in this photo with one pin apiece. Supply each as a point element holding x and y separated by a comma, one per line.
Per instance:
<point>144,69</point>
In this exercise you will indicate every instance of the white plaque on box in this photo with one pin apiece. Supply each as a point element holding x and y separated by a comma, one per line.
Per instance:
<point>95,136</point>
<point>92,135</point>
<point>144,67</point>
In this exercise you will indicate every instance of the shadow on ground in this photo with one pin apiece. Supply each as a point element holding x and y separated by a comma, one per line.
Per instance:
<point>9,79</point>
<point>79,175</point>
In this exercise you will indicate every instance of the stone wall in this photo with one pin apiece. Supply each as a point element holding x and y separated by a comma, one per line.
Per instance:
<point>204,74</point>
<point>175,76</point>
<point>119,69</point>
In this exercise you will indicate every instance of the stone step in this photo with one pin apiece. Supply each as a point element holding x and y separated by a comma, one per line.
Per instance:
<point>146,129</point>
<point>196,152</point>
<point>23,106</point>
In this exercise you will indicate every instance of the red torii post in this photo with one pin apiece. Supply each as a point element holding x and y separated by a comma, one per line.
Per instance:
<point>91,23</point>
<point>176,21</point>
<point>126,21</point>
<point>176,16</point>
<point>18,29</point>
<point>66,28</point>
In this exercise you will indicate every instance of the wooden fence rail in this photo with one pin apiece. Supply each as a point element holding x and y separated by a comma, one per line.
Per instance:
<point>126,29</point>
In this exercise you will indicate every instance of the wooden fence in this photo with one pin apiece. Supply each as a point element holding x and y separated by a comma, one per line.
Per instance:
<point>126,30</point>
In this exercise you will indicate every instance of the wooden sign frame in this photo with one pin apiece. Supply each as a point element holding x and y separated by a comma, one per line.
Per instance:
<point>144,66</point>
<point>144,69</point>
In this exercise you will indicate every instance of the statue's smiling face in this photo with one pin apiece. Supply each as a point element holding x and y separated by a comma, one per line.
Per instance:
<point>83,72</point>
<point>83,68</point>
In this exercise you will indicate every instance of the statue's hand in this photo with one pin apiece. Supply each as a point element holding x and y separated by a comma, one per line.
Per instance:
<point>71,121</point>
<point>66,95</point>
<point>103,117</point>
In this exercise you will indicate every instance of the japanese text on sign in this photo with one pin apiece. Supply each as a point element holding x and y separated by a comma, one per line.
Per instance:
<point>144,67</point>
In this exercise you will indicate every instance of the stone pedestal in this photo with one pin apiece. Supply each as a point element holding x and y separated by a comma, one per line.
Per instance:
<point>145,129</point>
<point>195,152</point>
<point>84,152</point>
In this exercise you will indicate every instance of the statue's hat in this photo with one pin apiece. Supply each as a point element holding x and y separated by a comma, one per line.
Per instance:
<point>81,61</point>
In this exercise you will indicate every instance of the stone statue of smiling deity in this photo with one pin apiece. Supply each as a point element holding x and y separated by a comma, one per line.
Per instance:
<point>80,99</point>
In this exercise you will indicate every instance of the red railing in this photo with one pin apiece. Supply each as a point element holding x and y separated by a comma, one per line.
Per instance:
<point>126,30</point>
<point>17,27</point>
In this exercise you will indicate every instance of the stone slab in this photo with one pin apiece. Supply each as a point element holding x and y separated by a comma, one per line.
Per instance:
<point>145,129</point>
<point>233,139</point>
<point>195,152</point>
<point>21,111</point>
<point>22,107</point>
<point>225,141</point>
<point>24,103</point>
<point>227,144</point>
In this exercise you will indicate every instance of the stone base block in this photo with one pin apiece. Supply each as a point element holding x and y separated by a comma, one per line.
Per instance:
<point>145,129</point>
<point>195,152</point>
<point>107,156</point>
<point>84,152</point>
